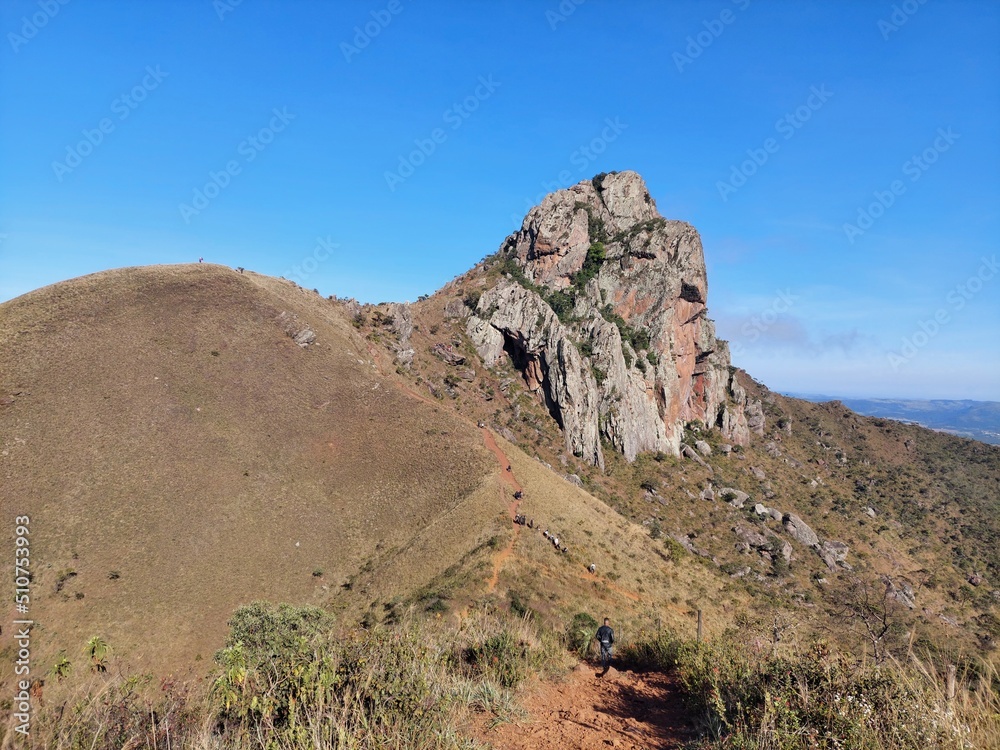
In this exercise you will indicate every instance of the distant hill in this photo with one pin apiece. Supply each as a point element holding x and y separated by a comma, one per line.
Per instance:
<point>979,420</point>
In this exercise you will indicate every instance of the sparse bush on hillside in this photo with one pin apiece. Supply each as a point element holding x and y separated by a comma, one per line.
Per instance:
<point>580,633</point>
<point>472,299</point>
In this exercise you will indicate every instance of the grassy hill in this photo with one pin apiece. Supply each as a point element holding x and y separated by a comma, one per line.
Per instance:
<point>179,454</point>
<point>918,510</point>
<point>189,439</point>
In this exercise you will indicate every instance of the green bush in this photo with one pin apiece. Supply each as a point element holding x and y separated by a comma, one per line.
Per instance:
<point>580,633</point>
<point>596,255</point>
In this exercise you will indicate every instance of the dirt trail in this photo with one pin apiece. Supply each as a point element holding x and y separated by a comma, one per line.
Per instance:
<point>622,709</point>
<point>508,478</point>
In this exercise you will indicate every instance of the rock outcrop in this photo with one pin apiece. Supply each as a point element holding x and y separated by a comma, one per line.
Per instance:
<point>601,306</point>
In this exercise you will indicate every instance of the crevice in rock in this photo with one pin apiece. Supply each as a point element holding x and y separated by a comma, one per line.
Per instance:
<point>691,293</point>
<point>535,371</point>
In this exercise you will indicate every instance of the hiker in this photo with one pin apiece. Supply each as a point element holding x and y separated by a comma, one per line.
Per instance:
<point>508,467</point>
<point>606,638</point>
<point>592,568</point>
<point>518,495</point>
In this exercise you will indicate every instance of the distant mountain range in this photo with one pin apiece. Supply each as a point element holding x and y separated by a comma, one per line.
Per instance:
<point>979,420</point>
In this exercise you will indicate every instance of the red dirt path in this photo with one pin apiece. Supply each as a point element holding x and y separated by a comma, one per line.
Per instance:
<point>508,478</point>
<point>622,709</point>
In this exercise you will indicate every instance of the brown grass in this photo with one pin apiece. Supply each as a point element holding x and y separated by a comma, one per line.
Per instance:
<point>169,429</point>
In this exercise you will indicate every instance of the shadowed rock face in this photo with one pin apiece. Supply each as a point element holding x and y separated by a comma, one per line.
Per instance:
<point>634,356</point>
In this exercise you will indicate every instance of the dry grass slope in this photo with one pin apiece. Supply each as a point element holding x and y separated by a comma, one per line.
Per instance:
<point>180,454</point>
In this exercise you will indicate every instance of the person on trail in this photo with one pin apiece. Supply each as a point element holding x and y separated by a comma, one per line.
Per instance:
<point>606,638</point>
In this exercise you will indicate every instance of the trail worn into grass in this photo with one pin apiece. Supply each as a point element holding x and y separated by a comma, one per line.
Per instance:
<point>584,710</point>
<point>508,478</point>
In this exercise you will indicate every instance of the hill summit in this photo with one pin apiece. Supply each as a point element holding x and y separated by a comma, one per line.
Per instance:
<point>603,310</point>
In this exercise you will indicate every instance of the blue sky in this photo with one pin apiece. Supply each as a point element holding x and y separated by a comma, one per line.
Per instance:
<point>840,159</point>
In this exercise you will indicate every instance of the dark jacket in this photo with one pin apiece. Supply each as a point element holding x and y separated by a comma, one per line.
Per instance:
<point>605,635</point>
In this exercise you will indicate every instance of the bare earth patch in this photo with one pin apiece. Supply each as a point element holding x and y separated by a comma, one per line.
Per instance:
<point>625,710</point>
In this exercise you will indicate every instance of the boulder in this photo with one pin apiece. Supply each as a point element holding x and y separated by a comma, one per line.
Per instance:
<point>901,591</point>
<point>799,530</point>
<point>755,418</point>
<point>751,538</point>
<point>703,448</point>
<point>688,452</point>
<point>736,498</point>
<point>833,553</point>
<point>574,480</point>
<point>305,337</point>
<point>785,549</point>
<point>447,353</point>
<point>456,308</point>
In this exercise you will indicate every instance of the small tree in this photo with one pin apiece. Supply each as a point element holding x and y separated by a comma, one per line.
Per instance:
<point>96,650</point>
<point>580,633</point>
<point>869,604</point>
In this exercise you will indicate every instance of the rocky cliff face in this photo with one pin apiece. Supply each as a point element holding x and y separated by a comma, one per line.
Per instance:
<point>601,306</point>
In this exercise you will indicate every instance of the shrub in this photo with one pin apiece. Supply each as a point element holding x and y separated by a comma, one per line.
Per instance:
<point>562,304</point>
<point>596,255</point>
<point>580,633</point>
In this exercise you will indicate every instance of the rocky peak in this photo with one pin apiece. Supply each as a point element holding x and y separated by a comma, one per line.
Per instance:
<point>601,305</point>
